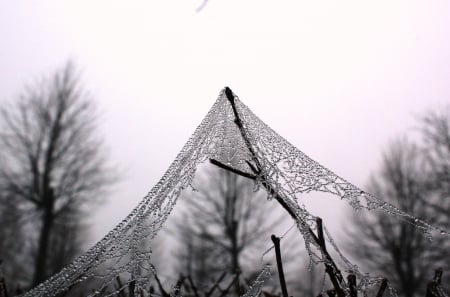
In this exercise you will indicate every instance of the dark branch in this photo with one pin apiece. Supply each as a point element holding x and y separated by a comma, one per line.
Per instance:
<point>276,242</point>
<point>331,267</point>
<point>351,278</point>
<point>229,168</point>
<point>383,287</point>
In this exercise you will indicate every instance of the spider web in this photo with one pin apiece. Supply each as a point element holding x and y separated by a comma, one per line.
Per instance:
<point>233,136</point>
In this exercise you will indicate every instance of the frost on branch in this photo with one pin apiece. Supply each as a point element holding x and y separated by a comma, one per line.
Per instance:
<point>233,137</point>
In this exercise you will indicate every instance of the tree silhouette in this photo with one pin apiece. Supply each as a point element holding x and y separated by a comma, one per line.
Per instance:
<point>222,223</point>
<point>435,128</point>
<point>53,164</point>
<point>415,178</point>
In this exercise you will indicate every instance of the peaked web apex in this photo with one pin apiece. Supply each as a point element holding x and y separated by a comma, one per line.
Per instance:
<point>245,146</point>
<point>230,95</point>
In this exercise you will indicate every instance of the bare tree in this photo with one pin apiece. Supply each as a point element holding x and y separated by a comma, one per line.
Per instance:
<point>53,163</point>
<point>12,240</point>
<point>435,128</point>
<point>223,222</point>
<point>394,248</point>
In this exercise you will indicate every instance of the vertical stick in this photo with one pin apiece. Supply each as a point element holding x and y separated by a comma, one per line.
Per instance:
<point>383,287</point>
<point>351,278</point>
<point>432,287</point>
<point>131,287</point>
<point>320,237</point>
<point>330,267</point>
<point>276,242</point>
<point>161,288</point>
<point>194,288</point>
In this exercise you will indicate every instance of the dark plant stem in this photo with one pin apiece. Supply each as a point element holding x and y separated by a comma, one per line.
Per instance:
<point>233,281</point>
<point>178,285</point>
<point>434,285</point>
<point>276,242</point>
<point>216,284</point>
<point>44,237</point>
<point>383,287</point>
<point>160,286</point>
<point>194,288</point>
<point>330,267</point>
<point>131,287</point>
<point>351,280</point>
<point>119,287</point>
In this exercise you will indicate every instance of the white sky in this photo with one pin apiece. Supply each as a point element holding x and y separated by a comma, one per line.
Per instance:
<point>338,79</point>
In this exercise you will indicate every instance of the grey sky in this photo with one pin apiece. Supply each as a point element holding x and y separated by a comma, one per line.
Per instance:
<point>338,79</point>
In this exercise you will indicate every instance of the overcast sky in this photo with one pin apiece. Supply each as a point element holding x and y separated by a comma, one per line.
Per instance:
<point>338,79</point>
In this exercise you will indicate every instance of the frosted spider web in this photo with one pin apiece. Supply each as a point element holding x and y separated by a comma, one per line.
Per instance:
<point>233,136</point>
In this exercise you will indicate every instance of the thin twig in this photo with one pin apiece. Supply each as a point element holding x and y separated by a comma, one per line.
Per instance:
<point>236,171</point>
<point>320,237</point>
<point>227,289</point>
<point>131,287</point>
<point>160,286</point>
<point>351,280</point>
<point>276,242</point>
<point>330,268</point>
<point>194,288</point>
<point>434,285</point>
<point>383,287</point>
<point>178,285</point>
<point>120,286</point>
<point>216,284</point>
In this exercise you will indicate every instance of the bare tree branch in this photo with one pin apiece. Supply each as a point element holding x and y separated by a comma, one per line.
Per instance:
<point>53,160</point>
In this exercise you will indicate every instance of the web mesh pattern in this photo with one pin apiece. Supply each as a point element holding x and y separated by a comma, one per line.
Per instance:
<point>253,149</point>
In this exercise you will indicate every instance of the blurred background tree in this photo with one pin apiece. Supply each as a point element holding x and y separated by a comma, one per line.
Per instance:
<point>415,177</point>
<point>54,169</point>
<point>435,130</point>
<point>223,223</point>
